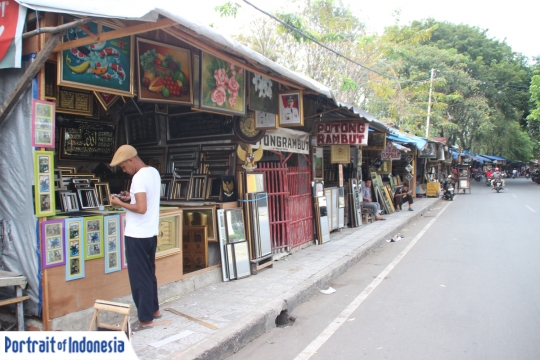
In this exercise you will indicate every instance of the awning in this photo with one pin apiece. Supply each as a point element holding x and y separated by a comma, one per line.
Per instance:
<point>494,158</point>
<point>417,141</point>
<point>484,159</point>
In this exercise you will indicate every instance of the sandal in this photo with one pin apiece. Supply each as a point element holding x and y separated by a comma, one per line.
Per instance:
<point>158,317</point>
<point>136,326</point>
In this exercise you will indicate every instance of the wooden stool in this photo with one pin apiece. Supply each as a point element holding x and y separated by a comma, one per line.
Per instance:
<point>367,216</point>
<point>112,307</point>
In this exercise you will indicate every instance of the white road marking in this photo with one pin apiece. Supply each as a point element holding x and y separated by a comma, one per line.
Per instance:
<point>514,196</point>
<point>323,337</point>
<point>530,208</point>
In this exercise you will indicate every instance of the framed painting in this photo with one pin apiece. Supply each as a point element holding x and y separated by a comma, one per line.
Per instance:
<point>53,251</point>
<point>74,235</point>
<point>164,73</point>
<point>340,154</point>
<point>223,86</point>
<point>123,240</point>
<point>318,163</point>
<point>170,232</point>
<point>196,72</point>
<point>291,109</point>
<point>111,238</point>
<point>44,196</point>
<point>376,141</point>
<point>43,123</point>
<point>263,94</point>
<point>75,101</point>
<point>93,237</point>
<point>266,121</point>
<point>202,216</point>
<point>105,99</point>
<point>105,66</point>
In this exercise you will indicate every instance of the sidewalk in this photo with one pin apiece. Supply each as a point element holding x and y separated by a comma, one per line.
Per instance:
<point>244,309</point>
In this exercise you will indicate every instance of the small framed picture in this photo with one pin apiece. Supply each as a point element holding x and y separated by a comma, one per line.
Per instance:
<point>291,110</point>
<point>53,251</point>
<point>74,235</point>
<point>266,121</point>
<point>45,200</point>
<point>93,239</point>
<point>318,163</point>
<point>43,123</point>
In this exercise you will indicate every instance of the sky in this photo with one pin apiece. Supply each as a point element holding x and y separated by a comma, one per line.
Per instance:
<point>514,21</point>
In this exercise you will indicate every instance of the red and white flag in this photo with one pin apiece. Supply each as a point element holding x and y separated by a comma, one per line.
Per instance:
<point>12,18</point>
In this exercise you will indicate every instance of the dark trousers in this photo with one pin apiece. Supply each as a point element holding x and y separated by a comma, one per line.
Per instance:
<point>401,199</point>
<point>141,259</point>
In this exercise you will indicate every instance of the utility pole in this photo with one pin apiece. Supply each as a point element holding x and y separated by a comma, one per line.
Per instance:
<point>429,102</point>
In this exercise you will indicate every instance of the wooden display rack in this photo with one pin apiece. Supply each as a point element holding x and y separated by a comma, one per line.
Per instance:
<point>261,263</point>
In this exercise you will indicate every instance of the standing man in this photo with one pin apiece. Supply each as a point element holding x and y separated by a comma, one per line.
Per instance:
<point>368,203</point>
<point>142,225</point>
<point>403,194</point>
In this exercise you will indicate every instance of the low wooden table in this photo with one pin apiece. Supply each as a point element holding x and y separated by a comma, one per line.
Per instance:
<point>11,279</point>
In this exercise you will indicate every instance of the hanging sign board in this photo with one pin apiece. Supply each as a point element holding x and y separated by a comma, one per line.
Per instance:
<point>346,133</point>
<point>391,153</point>
<point>12,20</point>
<point>287,140</point>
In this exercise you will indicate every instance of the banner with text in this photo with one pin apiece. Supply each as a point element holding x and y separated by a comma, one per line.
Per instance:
<point>12,20</point>
<point>344,133</point>
<point>391,153</point>
<point>287,140</point>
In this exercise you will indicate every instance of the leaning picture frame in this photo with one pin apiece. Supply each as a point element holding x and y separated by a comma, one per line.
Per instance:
<point>53,250</point>
<point>169,241</point>
<point>123,240</point>
<point>93,237</point>
<point>74,235</point>
<point>43,123</point>
<point>202,216</point>
<point>44,191</point>
<point>111,239</point>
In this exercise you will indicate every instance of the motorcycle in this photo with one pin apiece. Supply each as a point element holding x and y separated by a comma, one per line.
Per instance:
<point>478,177</point>
<point>527,176</point>
<point>513,176</point>
<point>497,185</point>
<point>488,181</point>
<point>448,191</point>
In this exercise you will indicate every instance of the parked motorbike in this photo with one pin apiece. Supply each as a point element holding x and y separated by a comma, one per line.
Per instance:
<point>497,185</point>
<point>448,191</point>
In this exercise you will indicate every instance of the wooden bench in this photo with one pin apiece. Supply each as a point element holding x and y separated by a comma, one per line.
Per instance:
<point>11,279</point>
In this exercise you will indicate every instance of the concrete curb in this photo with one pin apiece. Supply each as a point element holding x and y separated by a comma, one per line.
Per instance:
<point>240,334</point>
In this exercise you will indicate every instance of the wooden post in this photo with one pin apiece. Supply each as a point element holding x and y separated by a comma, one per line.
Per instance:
<point>26,79</point>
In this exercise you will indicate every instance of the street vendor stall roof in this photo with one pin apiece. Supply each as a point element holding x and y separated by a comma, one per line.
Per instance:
<point>417,141</point>
<point>494,158</point>
<point>373,122</point>
<point>149,11</point>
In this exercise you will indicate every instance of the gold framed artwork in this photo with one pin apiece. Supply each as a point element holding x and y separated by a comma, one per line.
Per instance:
<point>44,196</point>
<point>266,121</point>
<point>170,231</point>
<point>340,154</point>
<point>194,248</point>
<point>291,109</point>
<point>164,73</point>
<point>202,216</point>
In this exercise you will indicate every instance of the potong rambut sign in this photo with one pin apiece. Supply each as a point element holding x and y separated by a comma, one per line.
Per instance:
<point>336,133</point>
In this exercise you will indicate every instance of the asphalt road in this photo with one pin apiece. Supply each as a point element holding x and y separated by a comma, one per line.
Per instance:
<point>462,284</point>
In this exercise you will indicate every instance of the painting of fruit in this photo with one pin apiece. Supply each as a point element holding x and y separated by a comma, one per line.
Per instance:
<point>164,73</point>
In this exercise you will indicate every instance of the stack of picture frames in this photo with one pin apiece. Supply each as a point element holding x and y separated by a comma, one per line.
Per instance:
<point>198,173</point>
<point>233,244</point>
<point>385,198</point>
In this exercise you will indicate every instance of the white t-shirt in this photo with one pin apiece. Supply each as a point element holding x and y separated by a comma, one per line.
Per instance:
<point>145,225</point>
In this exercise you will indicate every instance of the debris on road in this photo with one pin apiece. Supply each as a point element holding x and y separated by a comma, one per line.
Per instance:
<point>328,291</point>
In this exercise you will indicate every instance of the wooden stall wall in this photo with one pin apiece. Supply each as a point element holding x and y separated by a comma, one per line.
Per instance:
<point>69,296</point>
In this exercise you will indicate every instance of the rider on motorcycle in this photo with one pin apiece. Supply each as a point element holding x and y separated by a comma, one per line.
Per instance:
<point>497,175</point>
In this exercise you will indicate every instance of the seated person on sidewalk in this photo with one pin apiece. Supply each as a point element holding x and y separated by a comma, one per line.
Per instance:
<point>403,194</point>
<point>368,203</point>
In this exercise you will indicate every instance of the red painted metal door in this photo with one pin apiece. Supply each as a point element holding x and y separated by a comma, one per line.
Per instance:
<point>290,204</point>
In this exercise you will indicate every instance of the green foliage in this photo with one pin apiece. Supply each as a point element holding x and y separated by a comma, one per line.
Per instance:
<point>228,9</point>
